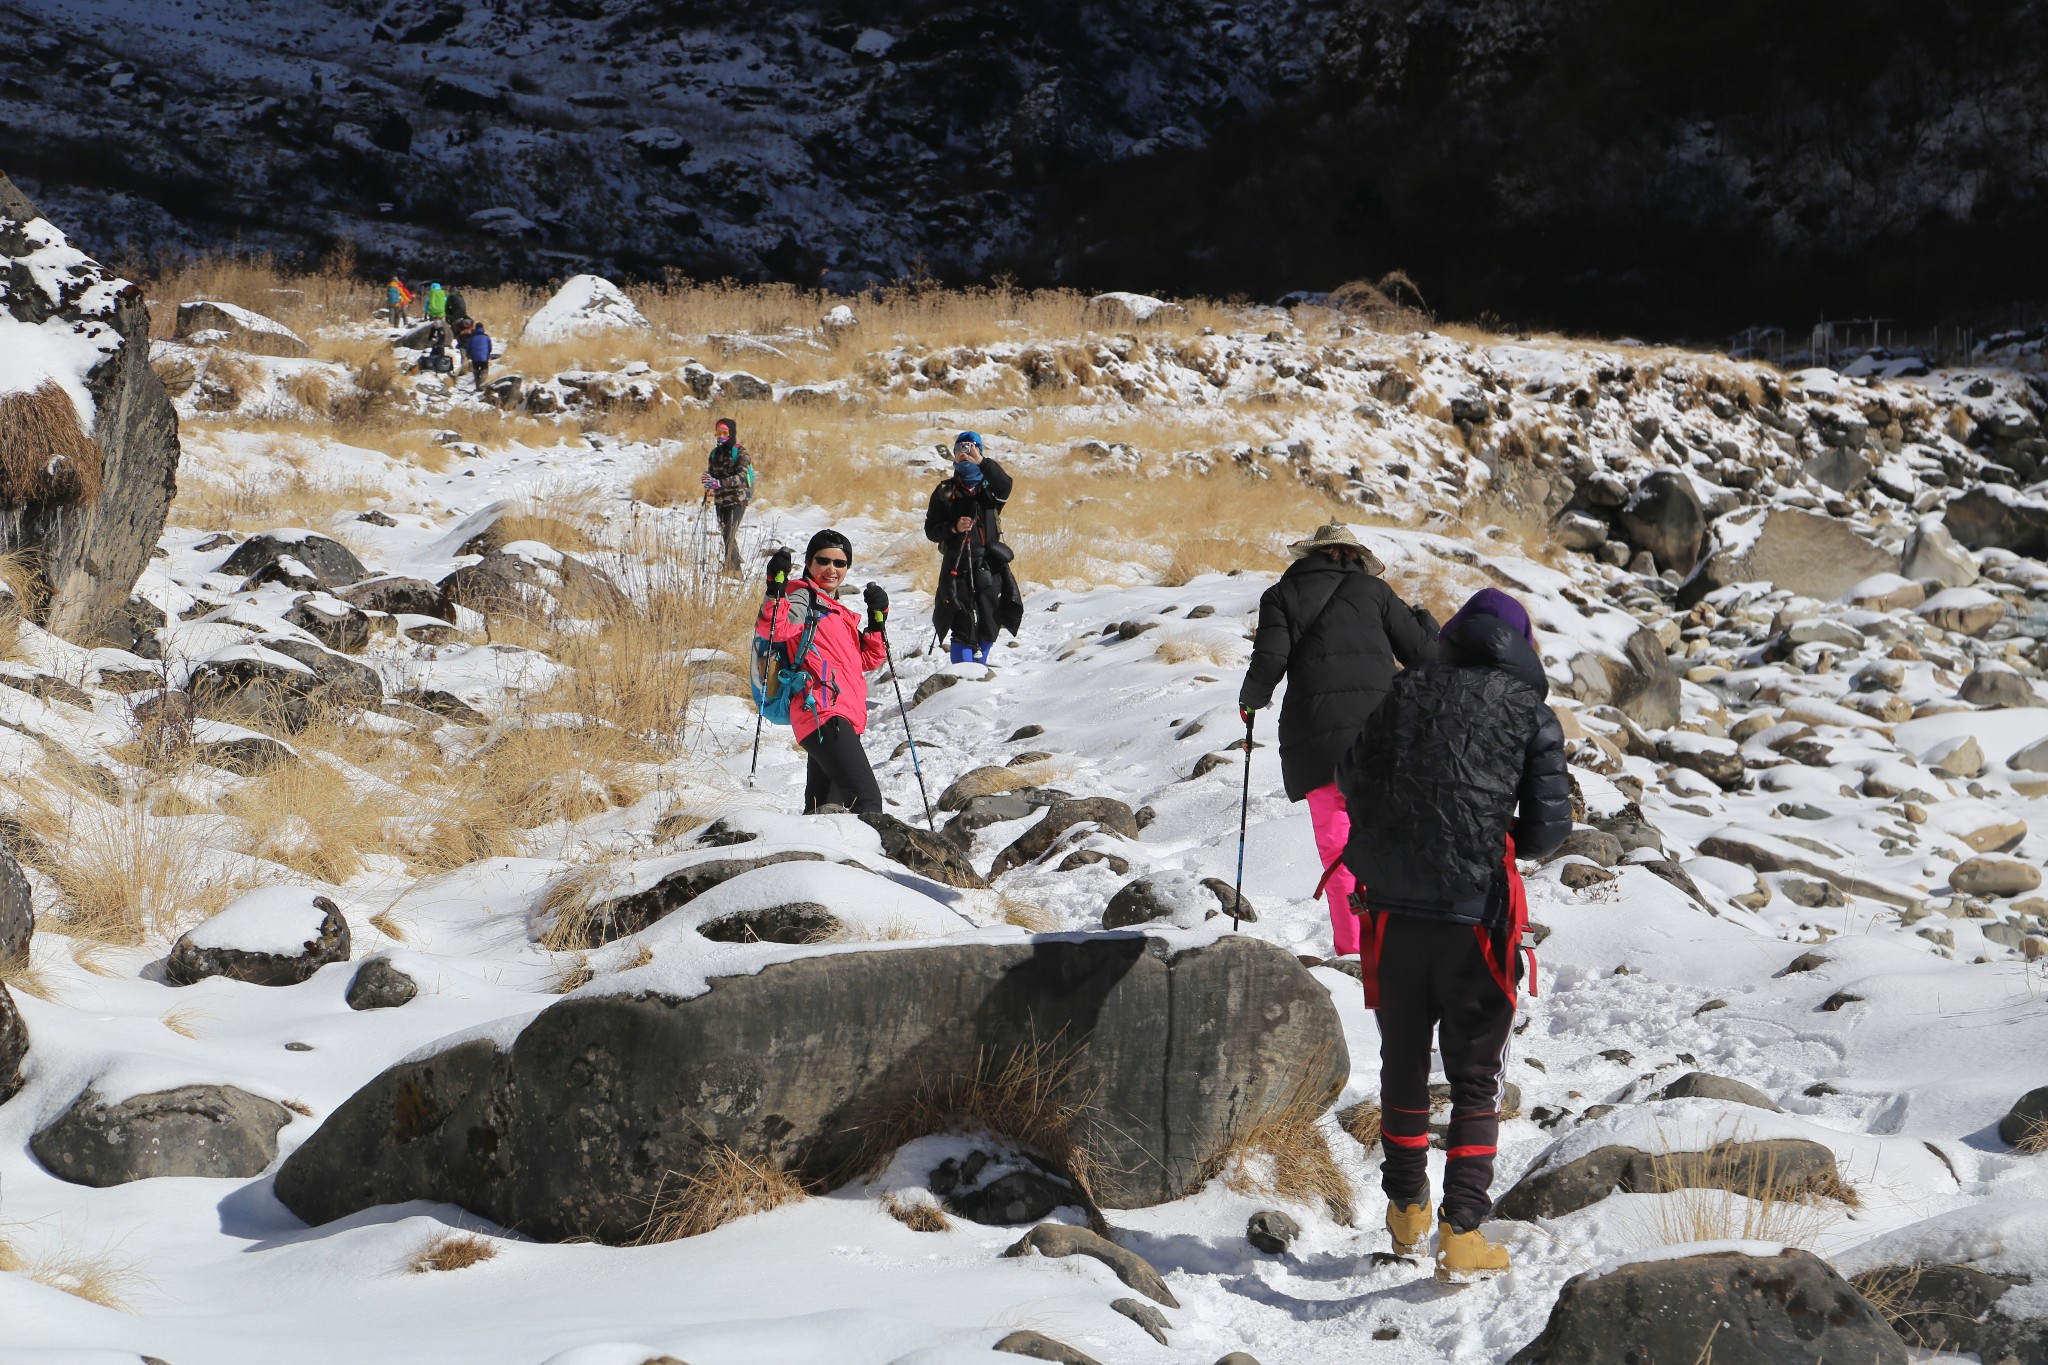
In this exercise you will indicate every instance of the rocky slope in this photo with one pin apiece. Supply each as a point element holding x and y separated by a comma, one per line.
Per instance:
<point>1580,163</point>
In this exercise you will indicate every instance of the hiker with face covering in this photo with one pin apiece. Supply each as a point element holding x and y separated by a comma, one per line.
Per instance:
<point>729,485</point>
<point>1333,629</point>
<point>1459,772</point>
<point>977,595</point>
<point>835,647</point>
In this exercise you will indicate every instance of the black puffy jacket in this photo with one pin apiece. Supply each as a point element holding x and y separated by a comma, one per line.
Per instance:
<point>1333,630</point>
<point>1435,780</point>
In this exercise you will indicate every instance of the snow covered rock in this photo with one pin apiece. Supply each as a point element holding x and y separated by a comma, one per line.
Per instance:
<point>804,1063</point>
<point>1705,1086</point>
<point>1932,553</point>
<point>1106,812</point>
<point>1994,876</point>
<point>13,1045</point>
<point>17,911</point>
<point>1060,1239</point>
<point>1271,1231</point>
<point>67,326</point>
<point>215,1131</point>
<point>1966,611</point>
<point>1805,552</point>
<point>331,621</point>
<point>1788,1307</point>
<point>1037,1345</point>
<point>526,577</point>
<point>1120,309</point>
<point>1993,517</point>
<point>633,910</point>
<point>585,306</point>
<point>1996,686</point>
<point>276,683</point>
<point>215,322</point>
<point>1553,1188</point>
<point>394,596</point>
<point>1955,1309</point>
<point>1177,898</point>
<point>377,985</point>
<point>1664,516</point>
<point>1640,682</point>
<point>331,562</point>
<point>924,853</point>
<point>278,936</point>
<point>2025,1125</point>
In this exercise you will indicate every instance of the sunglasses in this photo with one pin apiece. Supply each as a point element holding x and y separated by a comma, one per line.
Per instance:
<point>827,562</point>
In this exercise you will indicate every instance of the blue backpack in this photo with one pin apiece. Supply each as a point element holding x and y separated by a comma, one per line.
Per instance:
<point>779,677</point>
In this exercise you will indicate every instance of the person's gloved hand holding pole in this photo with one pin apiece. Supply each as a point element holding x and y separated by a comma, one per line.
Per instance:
<point>878,606</point>
<point>778,574</point>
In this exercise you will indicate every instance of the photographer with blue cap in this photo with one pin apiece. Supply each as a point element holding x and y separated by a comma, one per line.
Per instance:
<point>977,595</point>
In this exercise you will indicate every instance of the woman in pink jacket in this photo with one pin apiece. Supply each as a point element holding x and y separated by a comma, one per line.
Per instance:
<point>832,712</point>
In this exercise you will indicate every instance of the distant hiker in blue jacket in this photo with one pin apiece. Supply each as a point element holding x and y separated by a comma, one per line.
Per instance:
<point>476,344</point>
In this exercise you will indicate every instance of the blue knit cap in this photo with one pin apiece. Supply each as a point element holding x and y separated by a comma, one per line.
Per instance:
<point>972,438</point>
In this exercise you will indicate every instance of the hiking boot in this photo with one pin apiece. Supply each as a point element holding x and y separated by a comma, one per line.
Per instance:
<point>1466,1257</point>
<point>1408,1225</point>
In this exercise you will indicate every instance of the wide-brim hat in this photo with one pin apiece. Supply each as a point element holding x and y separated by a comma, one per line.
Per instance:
<point>1335,534</point>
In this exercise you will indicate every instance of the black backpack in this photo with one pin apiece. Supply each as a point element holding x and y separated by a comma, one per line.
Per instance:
<point>456,309</point>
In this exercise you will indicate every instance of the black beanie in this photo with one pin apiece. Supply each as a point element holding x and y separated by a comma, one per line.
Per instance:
<point>732,425</point>
<point>824,538</point>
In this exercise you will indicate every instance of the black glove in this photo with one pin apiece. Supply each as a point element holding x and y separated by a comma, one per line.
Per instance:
<point>778,574</point>
<point>878,606</point>
<point>1427,620</point>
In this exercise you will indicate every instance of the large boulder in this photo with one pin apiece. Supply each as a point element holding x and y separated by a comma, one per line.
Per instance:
<point>923,852</point>
<point>1664,516</point>
<point>585,306</point>
<point>195,1130</point>
<point>1550,1189</point>
<point>2025,1125</point>
<point>215,322</point>
<point>1804,552</point>
<point>394,595</point>
<point>618,916</point>
<point>17,913</point>
<point>1994,517</point>
<point>527,578</point>
<point>1735,1309</point>
<point>1955,1309</point>
<point>13,1045</point>
<point>1106,812</point>
<point>1932,553</point>
<point>812,1064</point>
<point>280,684</point>
<point>91,533</point>
<point>1641,683</point>
<point>332,563</point>
<point>278,936</point>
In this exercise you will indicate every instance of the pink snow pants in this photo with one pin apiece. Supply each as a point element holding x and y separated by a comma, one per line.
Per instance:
<point>1332,822</point>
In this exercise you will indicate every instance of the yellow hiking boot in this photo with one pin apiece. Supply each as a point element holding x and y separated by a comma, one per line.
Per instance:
<point>1408,1224</point>
<point>1466,1257</point>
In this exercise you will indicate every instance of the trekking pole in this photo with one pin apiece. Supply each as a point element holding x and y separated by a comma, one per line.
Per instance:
<point>757,750</point>
<point>904,712</point>
<point>1244,810</point>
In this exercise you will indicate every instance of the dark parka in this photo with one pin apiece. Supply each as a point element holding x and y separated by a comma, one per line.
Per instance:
<point>1463,752</point>
<point>1334,630</point>
<point>977,595</point>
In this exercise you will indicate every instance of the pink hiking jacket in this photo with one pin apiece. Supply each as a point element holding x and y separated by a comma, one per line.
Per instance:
<point>840,650</point>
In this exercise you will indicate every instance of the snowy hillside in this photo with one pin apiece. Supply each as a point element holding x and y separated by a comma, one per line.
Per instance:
<point>436,728</point>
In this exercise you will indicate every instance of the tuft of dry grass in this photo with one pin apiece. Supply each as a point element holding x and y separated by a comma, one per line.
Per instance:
<point>312,817</point>
<point>918,1215</point>
<point>1286,1155</point>
<point>122,874</point>
<point>185,1022</point>
<point>45,455</point>
<point>1362,1122</point>
<point>2033,1139</point>
<point>451,1251</point>
<point>1032,919</point>
<point>98,1279</point>
<point>24,593</point>
<point>1203,647</point>
<point>726,1187</point>
<point>1725,1194</point>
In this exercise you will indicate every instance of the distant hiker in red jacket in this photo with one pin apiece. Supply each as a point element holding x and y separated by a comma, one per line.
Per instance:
<point>830,716</point>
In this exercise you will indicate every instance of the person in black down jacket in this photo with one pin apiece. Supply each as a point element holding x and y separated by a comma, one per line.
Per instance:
<point>1333,628</point>
<point>976,594</point>
<point>1464,756</point>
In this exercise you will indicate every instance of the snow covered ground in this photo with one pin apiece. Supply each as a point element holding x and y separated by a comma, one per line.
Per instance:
<point>1899,1051</point>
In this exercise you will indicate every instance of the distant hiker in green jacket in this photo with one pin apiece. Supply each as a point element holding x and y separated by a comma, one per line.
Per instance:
<point>437,302</point>
<point>729,485</point>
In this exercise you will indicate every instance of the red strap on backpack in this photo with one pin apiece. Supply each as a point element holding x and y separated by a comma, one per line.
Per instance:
<point>1501,964</point>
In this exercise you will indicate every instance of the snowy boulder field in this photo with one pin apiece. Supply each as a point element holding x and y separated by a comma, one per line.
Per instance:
<point>355,921</point>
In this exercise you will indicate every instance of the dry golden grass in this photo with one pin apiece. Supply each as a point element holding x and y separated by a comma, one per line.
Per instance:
<point>1033,1096</point>
<point>44,454</point>
<point>570,908</point>
<point>1285,1155</point>
<point>451,1251</point>
<point>1202,647</point>
<point>1362,1122</point>
<point>1723,1194</point>
<point>24,595</point>
<point>387,924</point>
<point>185,1022</point>
<point>727,1186</point>
<point>2033,1137</point>
<point>916,1214</point>
<point>22,975</point>
<point>1032,919</point>
<point>312,817</point>
<point>98,1279</point>
<point>122,874</point>
<point>10,1259</point>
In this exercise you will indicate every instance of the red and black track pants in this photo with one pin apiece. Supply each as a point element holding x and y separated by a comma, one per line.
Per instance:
<point>1433,976</point>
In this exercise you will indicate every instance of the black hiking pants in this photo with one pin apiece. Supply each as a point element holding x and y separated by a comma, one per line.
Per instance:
<point>838,773</point>
<point>729,515</point>
<point>1433,977</point>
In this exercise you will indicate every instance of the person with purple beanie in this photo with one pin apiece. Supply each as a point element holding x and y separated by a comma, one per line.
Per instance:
<point>1456,774</point>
